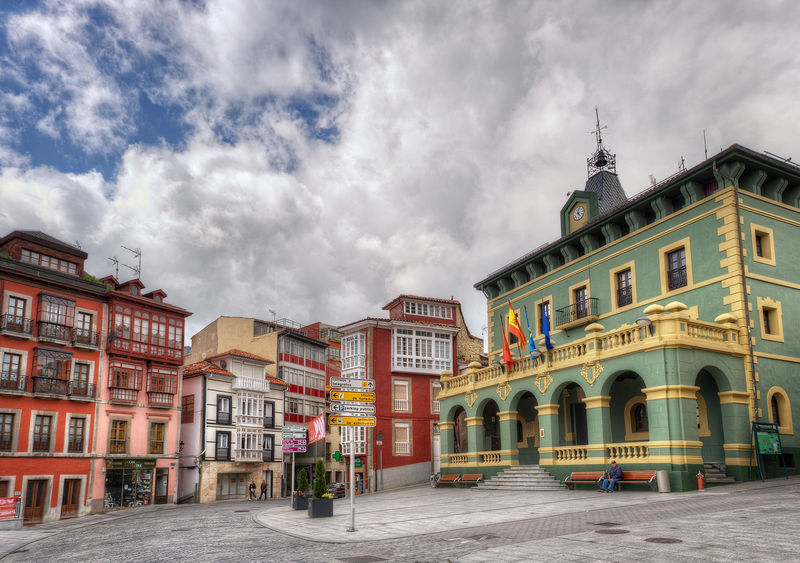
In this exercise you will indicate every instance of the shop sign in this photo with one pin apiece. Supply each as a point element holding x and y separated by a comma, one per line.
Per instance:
<point>130,463</point>
<point>8,507</point>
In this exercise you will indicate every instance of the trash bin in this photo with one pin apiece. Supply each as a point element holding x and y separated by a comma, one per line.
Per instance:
<point>662,481</point>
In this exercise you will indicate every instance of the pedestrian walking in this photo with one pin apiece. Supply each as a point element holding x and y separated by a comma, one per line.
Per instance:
<point>263,491</point>
<point>252,490</point>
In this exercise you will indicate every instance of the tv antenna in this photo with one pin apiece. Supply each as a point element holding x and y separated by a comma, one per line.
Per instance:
<point>137,254</point>
<point>115,261</point>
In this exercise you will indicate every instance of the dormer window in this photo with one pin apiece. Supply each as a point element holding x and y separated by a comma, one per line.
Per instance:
<point>428,309</point>
<point>50,262</point>
<point>134,290</point>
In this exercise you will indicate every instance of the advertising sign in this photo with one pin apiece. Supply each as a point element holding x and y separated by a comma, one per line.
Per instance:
<point>316,428</point>
<point>8,507</point>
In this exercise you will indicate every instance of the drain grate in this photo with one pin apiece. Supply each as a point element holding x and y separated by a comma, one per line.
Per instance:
<point>663,540</point>
<point>362,559</point>
<point>241,511</point>
<point>481,537</point>
<point>611,531</point>
<point>606,524</point>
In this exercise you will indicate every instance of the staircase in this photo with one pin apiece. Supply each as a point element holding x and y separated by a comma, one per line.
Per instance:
<point>715,473</point>
<point>522,478</point>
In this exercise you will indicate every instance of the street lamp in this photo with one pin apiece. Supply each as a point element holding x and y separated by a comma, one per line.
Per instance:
<point>379,440</point>
<point>645,321</point>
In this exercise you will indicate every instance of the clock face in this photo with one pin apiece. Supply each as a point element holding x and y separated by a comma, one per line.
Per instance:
<point>578,212</point>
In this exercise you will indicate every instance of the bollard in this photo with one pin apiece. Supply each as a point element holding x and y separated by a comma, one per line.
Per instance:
<point>700,486</point>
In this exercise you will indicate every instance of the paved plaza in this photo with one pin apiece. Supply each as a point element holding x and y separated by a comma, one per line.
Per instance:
<point>753,521</point>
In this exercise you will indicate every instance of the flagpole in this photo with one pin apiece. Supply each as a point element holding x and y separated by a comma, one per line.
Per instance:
<point>505,343</point>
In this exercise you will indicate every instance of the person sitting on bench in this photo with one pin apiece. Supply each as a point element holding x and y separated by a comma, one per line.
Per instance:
<point>614,475</point>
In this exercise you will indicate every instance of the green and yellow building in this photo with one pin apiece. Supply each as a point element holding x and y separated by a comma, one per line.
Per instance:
<point>672,317</point>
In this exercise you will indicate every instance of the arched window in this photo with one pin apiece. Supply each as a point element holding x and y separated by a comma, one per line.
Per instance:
<point>780,410</point>
<point>640,423</point>
<point>460,445</point>
<point>776,411</point>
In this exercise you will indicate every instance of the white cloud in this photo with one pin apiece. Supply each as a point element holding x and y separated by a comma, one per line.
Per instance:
<point>461,129</point>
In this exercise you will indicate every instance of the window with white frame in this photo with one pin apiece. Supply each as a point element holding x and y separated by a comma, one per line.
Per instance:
<point>250,409</point>
<point>421,350</point>
<point>249,444</point>
<point>247,370</point>
<point>348,433</point>
<point>400,395</point>
<point>428,309</point>
<point>436,388</point>
<point>354,351</point>
<point>401,435</point>
<point>294,405</point>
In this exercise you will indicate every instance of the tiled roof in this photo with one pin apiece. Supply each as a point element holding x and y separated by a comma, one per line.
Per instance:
<point>241,354</point>
<point>420,298</point>
<point>204,366</point>
<point>610,194</point>
<point>276,381</point>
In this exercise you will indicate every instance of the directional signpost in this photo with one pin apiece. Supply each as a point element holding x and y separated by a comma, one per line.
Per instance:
<point>352,408</point>
<point>335,420</point>
<point>353,383</point>
<point>294,439</point>
<point>359,396</point>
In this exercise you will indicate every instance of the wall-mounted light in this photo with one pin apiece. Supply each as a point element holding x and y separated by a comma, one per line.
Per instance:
<point>645,321</point>
<point>180,446</point>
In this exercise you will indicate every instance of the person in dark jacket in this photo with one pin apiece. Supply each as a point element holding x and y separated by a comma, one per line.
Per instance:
<point>252,490</point>
<point>263,491</point>
<point>614,475</point>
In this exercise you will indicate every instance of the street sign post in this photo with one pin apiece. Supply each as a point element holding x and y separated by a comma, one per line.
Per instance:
<point>352,396</point>
<point>336,420</point>
<point>353,383</point>
<point>294,442</point>
<point>293,449</point>
<point>353,408</point>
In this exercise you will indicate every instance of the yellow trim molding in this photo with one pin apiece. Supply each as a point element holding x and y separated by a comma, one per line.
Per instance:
<point>598,402</point>
<point>507,415</point>
<point>703,431</point>
<point>447,425</point>
<point>545,410</point>
<point>612,280</point>
<point>684,243</point>
<point>734,398</point>
<point>767,244</point>
<point>737,447</point>
<point>474,421</point>
<point>671,392</point>
<point>772,308</point>
<point>784,410</point>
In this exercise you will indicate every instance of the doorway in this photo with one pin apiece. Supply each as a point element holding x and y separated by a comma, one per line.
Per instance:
<point>267,476</point>
<point>69,498</point>
<point>162,482</point>
<point>34,501</point>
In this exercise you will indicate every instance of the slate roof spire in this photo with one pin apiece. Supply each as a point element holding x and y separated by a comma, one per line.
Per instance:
<point>602,171</point>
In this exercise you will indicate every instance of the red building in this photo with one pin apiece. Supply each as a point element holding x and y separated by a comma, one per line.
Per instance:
<point>138,419</point>
<point>50,340</point>
<point>404,354</point>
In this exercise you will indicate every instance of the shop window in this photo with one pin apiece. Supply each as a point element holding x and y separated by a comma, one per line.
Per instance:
<point>156,442</point>
<point>763,244</point>
<point>118,443</point>
<point>76,434</point>
<point>780,410</point>
<point>771,317</point>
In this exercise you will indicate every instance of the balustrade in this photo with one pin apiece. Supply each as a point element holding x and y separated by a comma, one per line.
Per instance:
<point>570,453</point>
<point>628,451</point>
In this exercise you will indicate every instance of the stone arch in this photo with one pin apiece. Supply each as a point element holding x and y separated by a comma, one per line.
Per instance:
<point>711,431</point>
<point>572,422</point>
<point>627,402</point>
<point>526,427</point>
<point>721,379</point>
<point>489,410</point>
<point>460,434</point>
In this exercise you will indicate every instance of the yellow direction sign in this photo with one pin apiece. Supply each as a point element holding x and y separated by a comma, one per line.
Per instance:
<point>351,420</point>
<point>352,396</point>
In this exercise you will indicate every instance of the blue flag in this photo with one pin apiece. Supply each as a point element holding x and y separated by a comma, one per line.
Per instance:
<point>546,331</point>
<point>530,333</point>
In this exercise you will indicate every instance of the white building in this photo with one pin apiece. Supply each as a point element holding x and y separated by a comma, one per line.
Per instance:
<point>231,422</point>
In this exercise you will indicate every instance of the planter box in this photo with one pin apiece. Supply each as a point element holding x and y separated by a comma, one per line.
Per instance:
<point>320,507</point>
<point>299,502</point>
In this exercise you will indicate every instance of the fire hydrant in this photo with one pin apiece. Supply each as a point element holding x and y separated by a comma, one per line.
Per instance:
<point>700,486</point>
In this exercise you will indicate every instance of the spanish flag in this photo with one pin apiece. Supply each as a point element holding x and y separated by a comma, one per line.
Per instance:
<point>507,358</point>
<point>514,328</point>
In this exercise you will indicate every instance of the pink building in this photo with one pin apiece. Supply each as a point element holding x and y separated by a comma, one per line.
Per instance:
<point>138,418</point>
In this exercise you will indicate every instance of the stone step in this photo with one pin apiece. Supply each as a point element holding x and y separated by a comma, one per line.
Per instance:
<point>520,488</point>
<point>522,478</point>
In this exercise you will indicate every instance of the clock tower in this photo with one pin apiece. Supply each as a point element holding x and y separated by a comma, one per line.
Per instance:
<point>602,193</point>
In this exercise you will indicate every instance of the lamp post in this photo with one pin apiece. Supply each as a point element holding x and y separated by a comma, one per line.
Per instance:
<point>379,441</point>
<point>645,321</point>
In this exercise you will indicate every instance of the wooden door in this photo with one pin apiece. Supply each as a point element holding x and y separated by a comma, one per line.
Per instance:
<point>69,499</point>
<point>4,489</point>
<point>34,501</point>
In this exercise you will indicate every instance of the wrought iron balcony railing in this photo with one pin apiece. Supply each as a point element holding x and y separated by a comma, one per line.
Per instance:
<point>52,385</point>
<point>576,311</point>
<point>269,422</point>
<point>53,331</point>
<point>624,296</point>
<point>85,338</point>
<point>268,455</point>
<point>223,454</point>
<point>223,418</point>
<point>13,382</point>
<point>677,277</point>
<point>16,324</point>
<point>81,389</point>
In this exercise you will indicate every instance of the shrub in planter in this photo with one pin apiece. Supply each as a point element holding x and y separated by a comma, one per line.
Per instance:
<point>300,496</point>
<point>321,505</point>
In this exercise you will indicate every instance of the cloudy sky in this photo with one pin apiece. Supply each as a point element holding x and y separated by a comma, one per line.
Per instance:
<point>320,158</point>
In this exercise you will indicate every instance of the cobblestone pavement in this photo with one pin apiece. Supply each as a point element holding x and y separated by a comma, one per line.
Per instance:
<point>754,521</point>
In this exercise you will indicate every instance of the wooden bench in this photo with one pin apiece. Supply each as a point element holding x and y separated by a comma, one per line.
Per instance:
<point>642,476</point>
<point>450,478</point>
<point>584,477</point>
<point>468,478</point>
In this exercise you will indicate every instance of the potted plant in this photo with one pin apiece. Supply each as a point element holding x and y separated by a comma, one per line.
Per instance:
<point>300,496</point>
<point>321,504</point>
